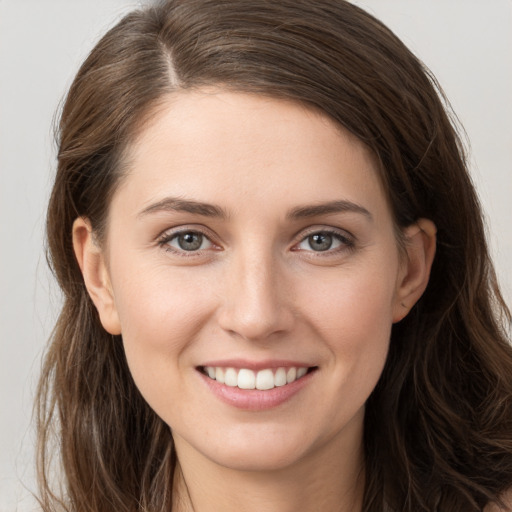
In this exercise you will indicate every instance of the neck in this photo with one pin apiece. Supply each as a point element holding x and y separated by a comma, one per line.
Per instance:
<point>321,481</point>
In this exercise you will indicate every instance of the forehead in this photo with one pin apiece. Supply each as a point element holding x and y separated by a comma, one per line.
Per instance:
<point>213,143</point>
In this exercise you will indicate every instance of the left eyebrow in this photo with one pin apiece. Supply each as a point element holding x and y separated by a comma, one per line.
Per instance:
<point>342,206</point>
<point>184,205</point>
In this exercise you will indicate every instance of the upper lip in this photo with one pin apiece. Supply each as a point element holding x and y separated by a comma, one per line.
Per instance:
<point>255,365</point>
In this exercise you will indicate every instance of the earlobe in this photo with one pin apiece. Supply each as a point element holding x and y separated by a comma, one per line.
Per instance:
<point>420,245</point>
<point>95,273</point>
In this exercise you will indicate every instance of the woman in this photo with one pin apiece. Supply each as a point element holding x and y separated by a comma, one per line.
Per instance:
<point>277,289</point>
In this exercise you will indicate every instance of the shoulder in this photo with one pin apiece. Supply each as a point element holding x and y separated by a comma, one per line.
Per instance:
<point>507,500</point>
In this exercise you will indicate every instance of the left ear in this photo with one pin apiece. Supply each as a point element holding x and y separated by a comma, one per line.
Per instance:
<point>420,247</point>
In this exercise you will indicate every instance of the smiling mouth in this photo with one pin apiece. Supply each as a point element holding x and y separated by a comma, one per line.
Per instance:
<point>265,379</point>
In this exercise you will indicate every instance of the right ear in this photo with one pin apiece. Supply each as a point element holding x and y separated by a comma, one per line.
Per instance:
<point>94,269</point>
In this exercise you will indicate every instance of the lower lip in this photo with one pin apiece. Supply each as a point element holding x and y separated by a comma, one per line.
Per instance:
<point>254,399</point>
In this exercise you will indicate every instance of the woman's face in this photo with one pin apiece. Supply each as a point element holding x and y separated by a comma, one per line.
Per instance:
<point>252,268</point>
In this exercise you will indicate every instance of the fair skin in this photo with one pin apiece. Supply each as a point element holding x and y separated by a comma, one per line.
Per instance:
<point>253,234</point>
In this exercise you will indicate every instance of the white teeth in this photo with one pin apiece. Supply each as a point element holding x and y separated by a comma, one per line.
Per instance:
<point>219,375</point>
<point>265,379</point>
<point>231,378</point>
<point>280,377</point>
<point>248,379</point>
<point>301,372</point>
<point>291,375</point>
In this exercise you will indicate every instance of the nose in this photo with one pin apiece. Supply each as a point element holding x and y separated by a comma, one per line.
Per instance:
<point>256,305</point>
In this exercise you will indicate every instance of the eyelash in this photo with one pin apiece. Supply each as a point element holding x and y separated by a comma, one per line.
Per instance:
<point>167,237</point>
<point>346,240</point>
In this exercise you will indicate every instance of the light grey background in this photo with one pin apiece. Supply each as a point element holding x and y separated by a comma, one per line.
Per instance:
<point>467,43</point>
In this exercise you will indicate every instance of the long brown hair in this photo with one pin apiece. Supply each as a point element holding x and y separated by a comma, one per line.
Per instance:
<point>438,426</point>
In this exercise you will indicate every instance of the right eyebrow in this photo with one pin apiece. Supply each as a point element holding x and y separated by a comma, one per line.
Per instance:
<point>341,206</point>
<point>184,205</point>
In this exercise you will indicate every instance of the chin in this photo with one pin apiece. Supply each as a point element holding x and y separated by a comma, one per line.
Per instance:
<point>257,458</point>
<point>256,448</point>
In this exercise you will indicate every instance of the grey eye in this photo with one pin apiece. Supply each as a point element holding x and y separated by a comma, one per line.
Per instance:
<point>320,241</point>
<point>323,241</point>
<point>190,241</point>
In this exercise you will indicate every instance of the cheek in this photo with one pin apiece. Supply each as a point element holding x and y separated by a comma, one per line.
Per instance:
<point>353,315</point>
<point>161,314</point>
<point>156,304</point>
<point>352,300</point>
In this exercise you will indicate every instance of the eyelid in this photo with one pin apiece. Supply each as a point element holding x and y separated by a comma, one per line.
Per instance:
<point>167,235</point>
<point>348,239</point>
